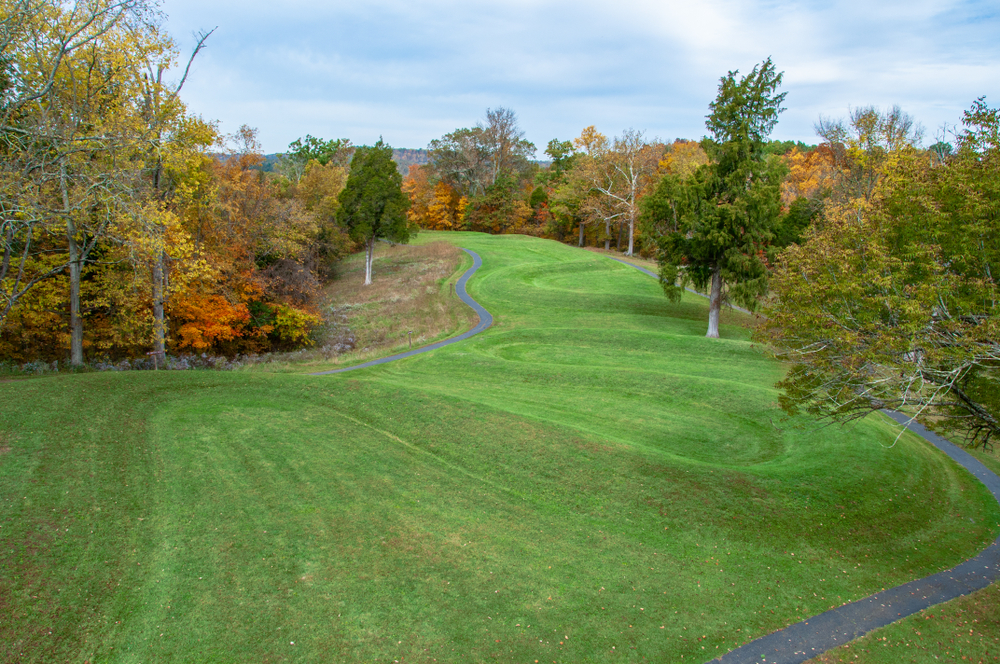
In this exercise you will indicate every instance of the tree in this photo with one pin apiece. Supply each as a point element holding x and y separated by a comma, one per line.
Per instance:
<point>683,158</point>
<point>433,205</point>
<point>248,282</point>
<point>82,130</point>
<point>891,301</point>
<point>575,202</point>
<point>460,159</point>
<point>112,211</point>
<point>487,166</point>
<point>301,151</point>
<point>372,204</point>
<point>563,157</point>
<point>317,192</point>
<point>568,200</point>
<point>727,210</point>
<point>68,126</point>
<point>507,151</point>
<point>860,146</point>
<point>620,174</point>
<point>171,133</point>
<point>500,209</point>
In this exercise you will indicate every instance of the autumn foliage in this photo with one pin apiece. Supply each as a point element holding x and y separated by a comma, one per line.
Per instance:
<point>242,252</point>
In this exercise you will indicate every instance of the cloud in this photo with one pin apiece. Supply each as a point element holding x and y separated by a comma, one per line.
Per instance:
<point>414,71</point>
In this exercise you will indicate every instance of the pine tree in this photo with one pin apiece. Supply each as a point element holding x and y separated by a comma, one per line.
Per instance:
<point>722,217</point>
<point>372,204</point>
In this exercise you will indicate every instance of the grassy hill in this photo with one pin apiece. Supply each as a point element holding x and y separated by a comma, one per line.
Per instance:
<point>590,480</point>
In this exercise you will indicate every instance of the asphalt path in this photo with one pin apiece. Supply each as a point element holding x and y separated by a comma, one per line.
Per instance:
<point>485,320</point>
<point>802,641</point>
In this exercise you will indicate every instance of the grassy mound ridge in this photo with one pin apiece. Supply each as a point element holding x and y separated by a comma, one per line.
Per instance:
<point>591,479</point>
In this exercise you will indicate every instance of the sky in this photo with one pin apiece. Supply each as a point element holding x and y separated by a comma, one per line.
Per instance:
<point>412,71</point>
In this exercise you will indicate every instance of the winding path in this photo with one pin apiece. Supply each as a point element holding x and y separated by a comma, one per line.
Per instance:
<point>485,320</point>
<point>804,640</point>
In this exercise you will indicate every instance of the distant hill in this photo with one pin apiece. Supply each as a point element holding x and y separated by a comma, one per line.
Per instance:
<point>405,158</point>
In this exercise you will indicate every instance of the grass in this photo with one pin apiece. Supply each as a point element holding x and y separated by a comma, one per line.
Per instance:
<point>964,629</point>
<point>590,480</point>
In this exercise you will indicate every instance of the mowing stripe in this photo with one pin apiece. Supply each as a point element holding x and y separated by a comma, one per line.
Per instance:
<point>802,641</point>
<point>485,320</point>
<point>419,450</point>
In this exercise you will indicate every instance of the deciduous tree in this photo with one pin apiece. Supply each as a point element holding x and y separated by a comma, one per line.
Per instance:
<point>488,166</point>
<point>301,151</point>
<point>860,146</point>
<point>620,173</point>
<point>72,127</point>
<point>891,301</point>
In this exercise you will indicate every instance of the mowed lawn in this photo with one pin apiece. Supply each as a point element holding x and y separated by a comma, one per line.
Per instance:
<point>590,480</point>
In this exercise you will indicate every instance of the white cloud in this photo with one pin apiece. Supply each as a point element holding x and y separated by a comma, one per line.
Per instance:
<point>413,71</point>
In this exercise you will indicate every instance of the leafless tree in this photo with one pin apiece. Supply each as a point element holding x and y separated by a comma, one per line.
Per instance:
<point>621,173</point>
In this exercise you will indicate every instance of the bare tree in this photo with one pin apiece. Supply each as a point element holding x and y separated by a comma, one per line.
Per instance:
<point>621,173</point>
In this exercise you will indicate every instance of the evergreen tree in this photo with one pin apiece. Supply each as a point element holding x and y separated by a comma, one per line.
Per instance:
<point>722,217</point>
<point>372,204</point>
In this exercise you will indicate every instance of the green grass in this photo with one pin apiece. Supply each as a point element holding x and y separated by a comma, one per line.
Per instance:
<point>589,480</point>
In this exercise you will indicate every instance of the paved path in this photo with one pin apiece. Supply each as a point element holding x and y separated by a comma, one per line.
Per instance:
<point>485,320</point>
<point>657,277</point>
<point>803,641</point>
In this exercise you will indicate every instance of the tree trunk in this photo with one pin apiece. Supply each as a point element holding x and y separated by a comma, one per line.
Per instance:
<point>9,242</point>
<point>75,322</point>
<point>715,304</point>
<point>618,243</point>
<point>631,232</point>
<point>159,296</point>
<point>607,235</point>
<point>370,254</point>
<point>581,234</point>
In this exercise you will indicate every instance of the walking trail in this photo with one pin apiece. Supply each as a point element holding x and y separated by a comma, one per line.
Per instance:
<point>485,320</point>
<point>804,640</point>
